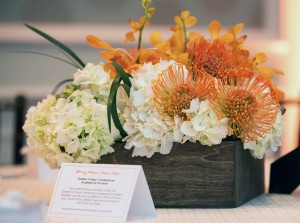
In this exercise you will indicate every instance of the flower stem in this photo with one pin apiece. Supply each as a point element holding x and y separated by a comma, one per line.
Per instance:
<point>184,33</point>
<point>141,30</point>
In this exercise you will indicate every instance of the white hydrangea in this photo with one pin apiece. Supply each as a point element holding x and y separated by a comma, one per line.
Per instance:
<point>39,127</point>
<point>147,132</point>
<point>203,126</point>
<point>141,91</point>
<point>95,78</point>
<point>69,130</point>
<point>271,141</point>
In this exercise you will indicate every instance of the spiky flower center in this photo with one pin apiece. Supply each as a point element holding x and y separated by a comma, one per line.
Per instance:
<point>241,106</point>
<point>176,87</point>
<point>179,100</point>
<point>245,101</point>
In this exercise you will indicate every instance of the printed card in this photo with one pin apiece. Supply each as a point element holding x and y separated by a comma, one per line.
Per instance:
<point>101,191</point>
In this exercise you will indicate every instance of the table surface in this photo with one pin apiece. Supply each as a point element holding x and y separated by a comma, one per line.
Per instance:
<point>265,208</point>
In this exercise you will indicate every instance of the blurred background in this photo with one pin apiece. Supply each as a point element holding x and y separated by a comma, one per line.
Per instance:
<point>271,27</point>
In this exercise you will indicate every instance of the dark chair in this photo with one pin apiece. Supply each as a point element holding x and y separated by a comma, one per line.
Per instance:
<point>18,107</point>
<point>285,171</point>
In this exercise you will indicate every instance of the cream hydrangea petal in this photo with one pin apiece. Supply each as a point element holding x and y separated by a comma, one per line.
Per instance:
<point>107,150</point>
<point>195,103</point>
<point>178,135</point>
<point>270,141</point>
<point>213,138</point>
<point>62,136</point>
<point>82,159</point>
<point>144,151</point>
<point>72,146</point>
<point>198,123</point>
<point>166,144</point>
<point>140,151</point>
<point>187,129</point>
<point>93,153</point>
<point>258,152</point>
<point>63,158</point>
<point>204,106</point>
<point>73,131</point>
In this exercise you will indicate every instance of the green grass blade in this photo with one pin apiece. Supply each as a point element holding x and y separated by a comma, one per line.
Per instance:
<point>51,56</point>
<point>112,111</point>
<point>57,43</point>
<point>70,58</point>
<point>112,92</point>
<point>125,76</point>
<point>59,85</point>
<point>112,98</point>
<point>115,117</point>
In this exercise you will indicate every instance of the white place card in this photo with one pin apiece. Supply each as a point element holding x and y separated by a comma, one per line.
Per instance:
<point>101,191</point>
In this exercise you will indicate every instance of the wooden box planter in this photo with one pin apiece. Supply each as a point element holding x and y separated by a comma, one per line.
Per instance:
<point>193,175</point>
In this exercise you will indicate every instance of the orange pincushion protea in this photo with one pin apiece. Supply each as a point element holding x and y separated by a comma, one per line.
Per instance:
<point>216,57</point>
<point>175,88</point>
<point>249,103</point>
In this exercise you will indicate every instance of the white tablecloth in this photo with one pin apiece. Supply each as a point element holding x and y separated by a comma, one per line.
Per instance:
<point>266,208</point>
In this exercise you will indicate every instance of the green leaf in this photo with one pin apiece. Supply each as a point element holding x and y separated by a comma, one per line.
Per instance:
<point>112,98</point>
<point>59,85</point>
<point>125,76</point>
<point>115,117</point>
<point>112,92</point>
<point>57,43</point>
<point>112,110</point>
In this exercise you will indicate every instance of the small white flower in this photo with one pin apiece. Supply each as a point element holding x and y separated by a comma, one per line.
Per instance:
<point>95,79</point>
<point>203,126</point>
<point>91,74</point>
<point>271,141</point>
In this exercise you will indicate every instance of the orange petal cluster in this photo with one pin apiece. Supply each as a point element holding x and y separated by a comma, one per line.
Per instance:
<point>175,88</point>
<point>249,103</point>
<point>216,57</point>
<point>227,51</point>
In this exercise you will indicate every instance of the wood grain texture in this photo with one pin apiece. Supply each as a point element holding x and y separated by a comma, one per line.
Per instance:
<point>193,175</point>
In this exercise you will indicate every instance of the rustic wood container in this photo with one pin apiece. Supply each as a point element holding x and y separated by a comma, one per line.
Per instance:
<point>193,175</point>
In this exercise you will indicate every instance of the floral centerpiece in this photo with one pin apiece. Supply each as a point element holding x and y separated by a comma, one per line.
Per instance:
<point>186,88</point>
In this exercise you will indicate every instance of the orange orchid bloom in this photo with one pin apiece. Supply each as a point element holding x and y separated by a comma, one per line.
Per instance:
<point>121,56</point>
<point>266,72</point>
<point>125,58</point>
<point>176,46</point>
<point>231,36</point>
<point>136,27</point>
<point>236,42</point>
<point>129,59</point>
